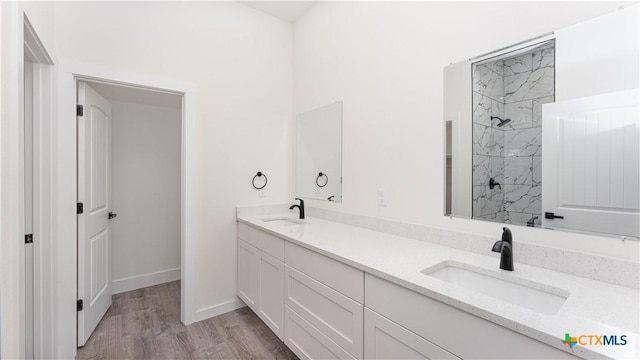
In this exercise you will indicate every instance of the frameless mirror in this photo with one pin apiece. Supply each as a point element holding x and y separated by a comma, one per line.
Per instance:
<point>500,134</point>
<point>319,153</point>
<point>515,154</point>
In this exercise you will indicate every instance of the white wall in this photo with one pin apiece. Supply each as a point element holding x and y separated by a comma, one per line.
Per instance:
<point>385,61</point>
<point>240,61</point>
<point>41,17</point>
<point>145,240</point>
<point>598,56</point>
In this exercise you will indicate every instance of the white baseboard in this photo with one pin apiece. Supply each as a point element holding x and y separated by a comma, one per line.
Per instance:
<point>143,281</point>
<point>215,310</point>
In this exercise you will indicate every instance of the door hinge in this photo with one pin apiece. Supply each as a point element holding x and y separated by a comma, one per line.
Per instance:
<point>79,208</point>
<point>79,110</point>
<point>28,239</point>
<point>79,305</point>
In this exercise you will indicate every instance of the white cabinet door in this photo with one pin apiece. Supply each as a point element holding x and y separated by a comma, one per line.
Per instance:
<point>590,163</point>
<point>261,285</point>
<point>248,274</point>
<point>384,339</point>
<point>271,301</point>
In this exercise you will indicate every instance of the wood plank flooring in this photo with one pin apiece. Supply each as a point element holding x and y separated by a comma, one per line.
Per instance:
<point>145,324</point>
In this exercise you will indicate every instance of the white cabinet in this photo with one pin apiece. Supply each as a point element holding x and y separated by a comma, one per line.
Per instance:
<point>248,274</point>
<point>457,332</point>
<point>308,342</point>
<point>321,309</point>
<point>261,276</point>
<point>271,293</point>
<point>261,285</point>
<point>266,243</point>
<point>388,340</point>
<point>323,315</point>
<point>336,275</point>
<point>335,315</point>
<point>323,298</point>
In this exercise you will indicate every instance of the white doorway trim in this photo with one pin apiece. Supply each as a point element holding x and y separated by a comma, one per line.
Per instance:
<point>20,38</point>
<point>65,185</point>
<point>42,118</point>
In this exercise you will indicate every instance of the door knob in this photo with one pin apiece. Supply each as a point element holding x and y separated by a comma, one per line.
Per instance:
<point>112,215</point>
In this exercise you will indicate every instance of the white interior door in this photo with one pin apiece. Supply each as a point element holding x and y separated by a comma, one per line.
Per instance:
<point>591,164</point>
<point>94,192</point>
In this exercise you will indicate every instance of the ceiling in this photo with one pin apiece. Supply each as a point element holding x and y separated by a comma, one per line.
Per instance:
<point>127,94</point>
<point>289,11</point>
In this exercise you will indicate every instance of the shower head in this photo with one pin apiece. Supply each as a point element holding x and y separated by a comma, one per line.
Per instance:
<point>502,122</point>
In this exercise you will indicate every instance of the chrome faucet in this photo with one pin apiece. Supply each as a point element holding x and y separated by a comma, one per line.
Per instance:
<point>300,207</point>
<point>532,221</point>
<point>505,248</point>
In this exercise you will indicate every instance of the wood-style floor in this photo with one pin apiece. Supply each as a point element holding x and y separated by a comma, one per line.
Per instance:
<point>145,324</point>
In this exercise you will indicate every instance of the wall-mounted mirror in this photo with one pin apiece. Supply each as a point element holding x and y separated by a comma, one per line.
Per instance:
<point>517,153</point>
<point>319,153</point>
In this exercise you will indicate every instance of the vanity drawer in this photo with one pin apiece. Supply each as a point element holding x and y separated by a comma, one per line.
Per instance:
<point>347,280</point>
<point>307,342</point>
<point>445,325</point>
<point>268,243</point>
<point>385,339</point>
<point>338,317</point>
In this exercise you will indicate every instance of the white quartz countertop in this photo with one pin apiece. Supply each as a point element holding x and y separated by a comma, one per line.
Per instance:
<point>592,308</point>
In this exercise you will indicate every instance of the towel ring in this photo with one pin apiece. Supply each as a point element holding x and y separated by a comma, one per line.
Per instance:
<point>259,174</point>
<point>320,175</point>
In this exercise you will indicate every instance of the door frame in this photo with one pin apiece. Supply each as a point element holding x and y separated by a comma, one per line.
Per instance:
<point>19,38</point>
<point>65,189</point>
<point>43,111</point>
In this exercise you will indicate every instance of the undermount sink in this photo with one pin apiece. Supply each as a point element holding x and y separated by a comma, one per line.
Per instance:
<point>531,295</point>
<point>282,221</point>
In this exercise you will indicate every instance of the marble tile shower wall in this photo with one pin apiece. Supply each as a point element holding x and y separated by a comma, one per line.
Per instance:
<point>515,89</point>
<point>488,140</point>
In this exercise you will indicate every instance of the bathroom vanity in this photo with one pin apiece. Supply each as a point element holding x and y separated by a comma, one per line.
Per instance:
<point>334,290</point>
